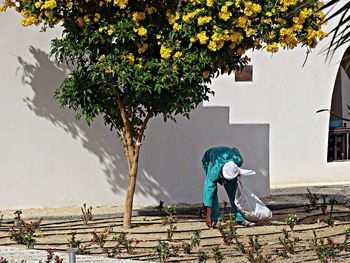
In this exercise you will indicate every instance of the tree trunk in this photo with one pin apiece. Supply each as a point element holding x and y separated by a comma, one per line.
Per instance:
<point>129,199</point>
<point>132,152</point>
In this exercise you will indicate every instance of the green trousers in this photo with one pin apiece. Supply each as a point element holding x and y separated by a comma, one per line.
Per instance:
<point>230,188</point>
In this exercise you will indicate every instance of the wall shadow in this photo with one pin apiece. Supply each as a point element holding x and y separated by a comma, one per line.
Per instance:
<point>170,162</point>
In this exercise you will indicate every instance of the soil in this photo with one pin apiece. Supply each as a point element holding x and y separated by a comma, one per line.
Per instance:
<point>148,230</point>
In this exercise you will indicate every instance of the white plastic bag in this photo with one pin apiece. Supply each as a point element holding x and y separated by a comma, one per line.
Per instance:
<point>250,206</point>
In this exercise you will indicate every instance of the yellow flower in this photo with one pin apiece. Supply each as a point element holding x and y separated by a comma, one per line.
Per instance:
<point>165,52</point>
<point>193,39</point>
<point>86,19</point>
<point>110,31</point>
<point>121,3</point>
<point>142,31</point>
<point>80,22</point>
<point>150,10</point>
<point>38,4</point>
<point>236,37</point>
<point>131,58</point>
<point>177,54</point>
<point>206,74</point>
<point>295,19</point>
<point>177,27</point>
<point>49,4</point>
<point>97,17</point>
<point>172,18</point>
<point>249,32</point>
<point>224,13</point>
<point>202,37</point>
<point>138,16</point>
<point>210,3</point>
<point>266,20</point>
<point>143,48</point>
<point>175,67</point>
<point>212,46</point>
<point>273,48</point>
<point>251,9</point>
<point>203,20</point>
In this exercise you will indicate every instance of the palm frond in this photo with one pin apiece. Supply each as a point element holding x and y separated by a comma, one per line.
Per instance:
<point>341,32</point>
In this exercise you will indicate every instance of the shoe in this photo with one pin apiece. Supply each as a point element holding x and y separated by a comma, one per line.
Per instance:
<point>216,224</point>
<point>246,223</point>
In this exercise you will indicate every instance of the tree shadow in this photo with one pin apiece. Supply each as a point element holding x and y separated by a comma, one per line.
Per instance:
<point>43,77</point>
<point>170,162</point>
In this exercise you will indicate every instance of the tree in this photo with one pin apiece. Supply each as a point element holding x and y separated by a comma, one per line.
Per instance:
<point>139,59</point>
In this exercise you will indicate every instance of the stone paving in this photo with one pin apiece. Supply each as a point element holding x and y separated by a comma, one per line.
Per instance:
<point>19,255</point>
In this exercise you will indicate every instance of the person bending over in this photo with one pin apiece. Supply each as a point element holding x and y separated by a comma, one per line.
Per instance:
<point>221,165</point>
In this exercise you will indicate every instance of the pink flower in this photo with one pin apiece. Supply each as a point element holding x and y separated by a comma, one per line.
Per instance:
<point>134,241</point>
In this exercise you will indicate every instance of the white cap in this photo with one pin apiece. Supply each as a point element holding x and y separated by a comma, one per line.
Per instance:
<point>230,170</point>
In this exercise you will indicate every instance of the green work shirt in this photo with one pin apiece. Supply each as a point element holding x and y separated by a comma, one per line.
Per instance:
<point>213,160</point>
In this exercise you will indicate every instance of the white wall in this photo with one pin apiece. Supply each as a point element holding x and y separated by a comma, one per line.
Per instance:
<point>287,96</point>
<point>48,159</point>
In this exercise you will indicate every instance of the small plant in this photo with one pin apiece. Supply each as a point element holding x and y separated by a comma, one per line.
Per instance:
<point>229,232</point>
<point>324,205</point>
<point>200,212</point>
<point>217,254</point>
<point>186,247</point>
<point>346,244</point>
<point>332,202</point>
<point>164,250</point>
<point>170,232</point>
<point>23,232</point>
<point>253,251</point>
<point>51,257</point>
<point>100,238</point>
<point>160,207</point>
<point>325,250</point>
<point>1,219</point>
<point>313,199</point>
<point>74,243</point>
<point>329,220</point>
<point>86,214</point>
<point>291,221</point>
<point>202,257</point>
<point>123,242</point>
<point>195,240</point>
<point>170,220</point>
<point>223,210</point>
<point>288,243</point>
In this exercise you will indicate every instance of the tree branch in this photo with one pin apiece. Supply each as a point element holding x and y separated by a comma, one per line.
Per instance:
<point>128,129</point>
<point>142,130</point>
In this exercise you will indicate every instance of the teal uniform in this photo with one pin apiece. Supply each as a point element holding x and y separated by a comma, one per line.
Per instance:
<point>213,160</point>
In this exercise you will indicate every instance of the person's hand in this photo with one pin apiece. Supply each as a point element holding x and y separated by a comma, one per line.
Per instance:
<point>208,221</point>
<point>208,217</point>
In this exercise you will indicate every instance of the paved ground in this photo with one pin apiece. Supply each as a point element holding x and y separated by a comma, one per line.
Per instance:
<point>18,255</point>
<point>279,197</point>
<point>298,195</point>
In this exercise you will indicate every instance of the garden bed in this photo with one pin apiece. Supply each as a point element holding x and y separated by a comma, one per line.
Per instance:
<point>105,234</point>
